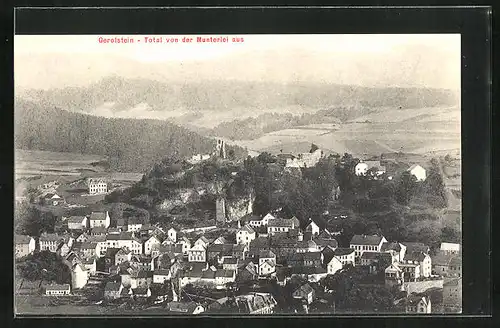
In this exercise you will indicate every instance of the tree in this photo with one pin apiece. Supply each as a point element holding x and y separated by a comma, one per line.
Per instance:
<point>407,188</point>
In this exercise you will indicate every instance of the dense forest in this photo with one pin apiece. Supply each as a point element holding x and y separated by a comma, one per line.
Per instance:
<point>129,144</point>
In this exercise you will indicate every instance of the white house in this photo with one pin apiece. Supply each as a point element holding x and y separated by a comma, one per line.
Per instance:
<point>334,265</point>
<point>150,243</point>
<point>135,224</point>
<point>450,248</point>
<point>418,304</point>
<point>245,235</point>
<point>313,228</point>
<point>422,259</point>
<point>418,172</point>
<point>361,243</point>
<point>172,235</point>
<point>79,276</point>
<point>262,222</point>
<point>124,239</point>
<point>99,219</point>
<point>186,245</point>
<point>267,263</point>
<point>78,223</point>
<point>24,245</point>
<point>202,241</point>
<point>57,290</point>
<point>97,186</point>
<point>197,253</point>
<point>50,242</point>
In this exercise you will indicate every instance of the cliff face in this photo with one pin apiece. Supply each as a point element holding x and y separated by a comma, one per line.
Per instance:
<point>240,207</point>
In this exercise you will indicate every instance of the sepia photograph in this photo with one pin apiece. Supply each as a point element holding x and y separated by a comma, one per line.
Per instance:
<point>237,174</point>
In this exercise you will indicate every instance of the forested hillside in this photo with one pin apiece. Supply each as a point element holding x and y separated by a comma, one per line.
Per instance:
<point>129,144</point>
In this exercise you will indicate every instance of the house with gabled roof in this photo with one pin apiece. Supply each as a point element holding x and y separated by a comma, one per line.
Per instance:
<point>305,292</point>
<point>24,245</point>
<point>362,243</point>
<point>224,276</point>
<point>267,263</point>
<point>202,241</point>
<point>245,235</point>
<point>78,223</point>
<point>280,225</point>
<point>397,250</point>
<point>419,304</point>
<point>135,223</point>
<point>197,253</point>
<point>394,275</point>
<point>416,247</point>
<point>99,219</point>
<point>422,259</point>
<point>113,290</point>
<point>150,244</point>
<point>50,242</point>
<point>345,255</point>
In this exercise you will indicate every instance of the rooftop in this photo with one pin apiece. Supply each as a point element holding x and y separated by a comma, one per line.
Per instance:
<point>98,216</point>
<point>58,287</point>
<point>373,240</point>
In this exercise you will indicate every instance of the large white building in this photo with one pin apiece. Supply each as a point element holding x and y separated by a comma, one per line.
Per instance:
<point>363,167</point>
<point>97,186</point>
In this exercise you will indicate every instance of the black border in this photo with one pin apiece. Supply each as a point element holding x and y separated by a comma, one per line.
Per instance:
<point>472,23</point>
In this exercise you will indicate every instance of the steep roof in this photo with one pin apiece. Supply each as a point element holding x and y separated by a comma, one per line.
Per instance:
<point>280,223</point>
<point>369,255</point>
<point>415,247</point>
<point>414,166</point>
<point>373,240</point>
<point>390,246</point>
<point>414,256</point>
<point>266,254</point>
<point>343,251</point>
<point>76,219</point>
<point>98,230</point>
<point>50,237</point>
<point>415,299</point>
<point>135,220</point>
<point>303,290</point>
<point>326,242</point>
<point>247,228</point>
<point>58,287</point>
<point>98,216</point>
<point>22,239</point>
<point>307,256</point>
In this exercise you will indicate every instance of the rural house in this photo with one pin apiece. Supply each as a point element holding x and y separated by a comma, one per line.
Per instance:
<point>424,260</point>
<point>134,224</point>
<point>304,292</point>
<point>49,242</point>
<point>97,186</point>
<point>99,219</point>
<point>124,239</point>
<point>450,248</point>
<point>197,253</point>
<point>245,235</point>
<point>78,223</point>
<point>418,304</point>
<point>362,243</point>
<point>24,245</point>
<point>57,290</point>
<point>267,263</point>
<point>334,265</point>
<point>150,244</point>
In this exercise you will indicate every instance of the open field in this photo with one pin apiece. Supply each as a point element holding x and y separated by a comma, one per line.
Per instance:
<point>30,163</point>
<point>419,131</point>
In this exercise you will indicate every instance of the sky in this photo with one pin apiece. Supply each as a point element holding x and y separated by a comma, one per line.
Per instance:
<point>431,60</point>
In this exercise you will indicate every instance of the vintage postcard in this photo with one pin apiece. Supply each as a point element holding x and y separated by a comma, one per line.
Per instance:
<point>237,174</point>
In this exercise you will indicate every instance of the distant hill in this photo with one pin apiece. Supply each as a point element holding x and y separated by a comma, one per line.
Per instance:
<point>208,103</point>
<point>130,145</point>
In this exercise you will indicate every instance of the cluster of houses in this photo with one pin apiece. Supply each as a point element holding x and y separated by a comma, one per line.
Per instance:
<point>142,254</point>
<point>378,168</point>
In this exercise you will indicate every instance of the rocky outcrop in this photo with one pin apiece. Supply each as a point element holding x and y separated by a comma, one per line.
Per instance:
<point>240,207</point>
